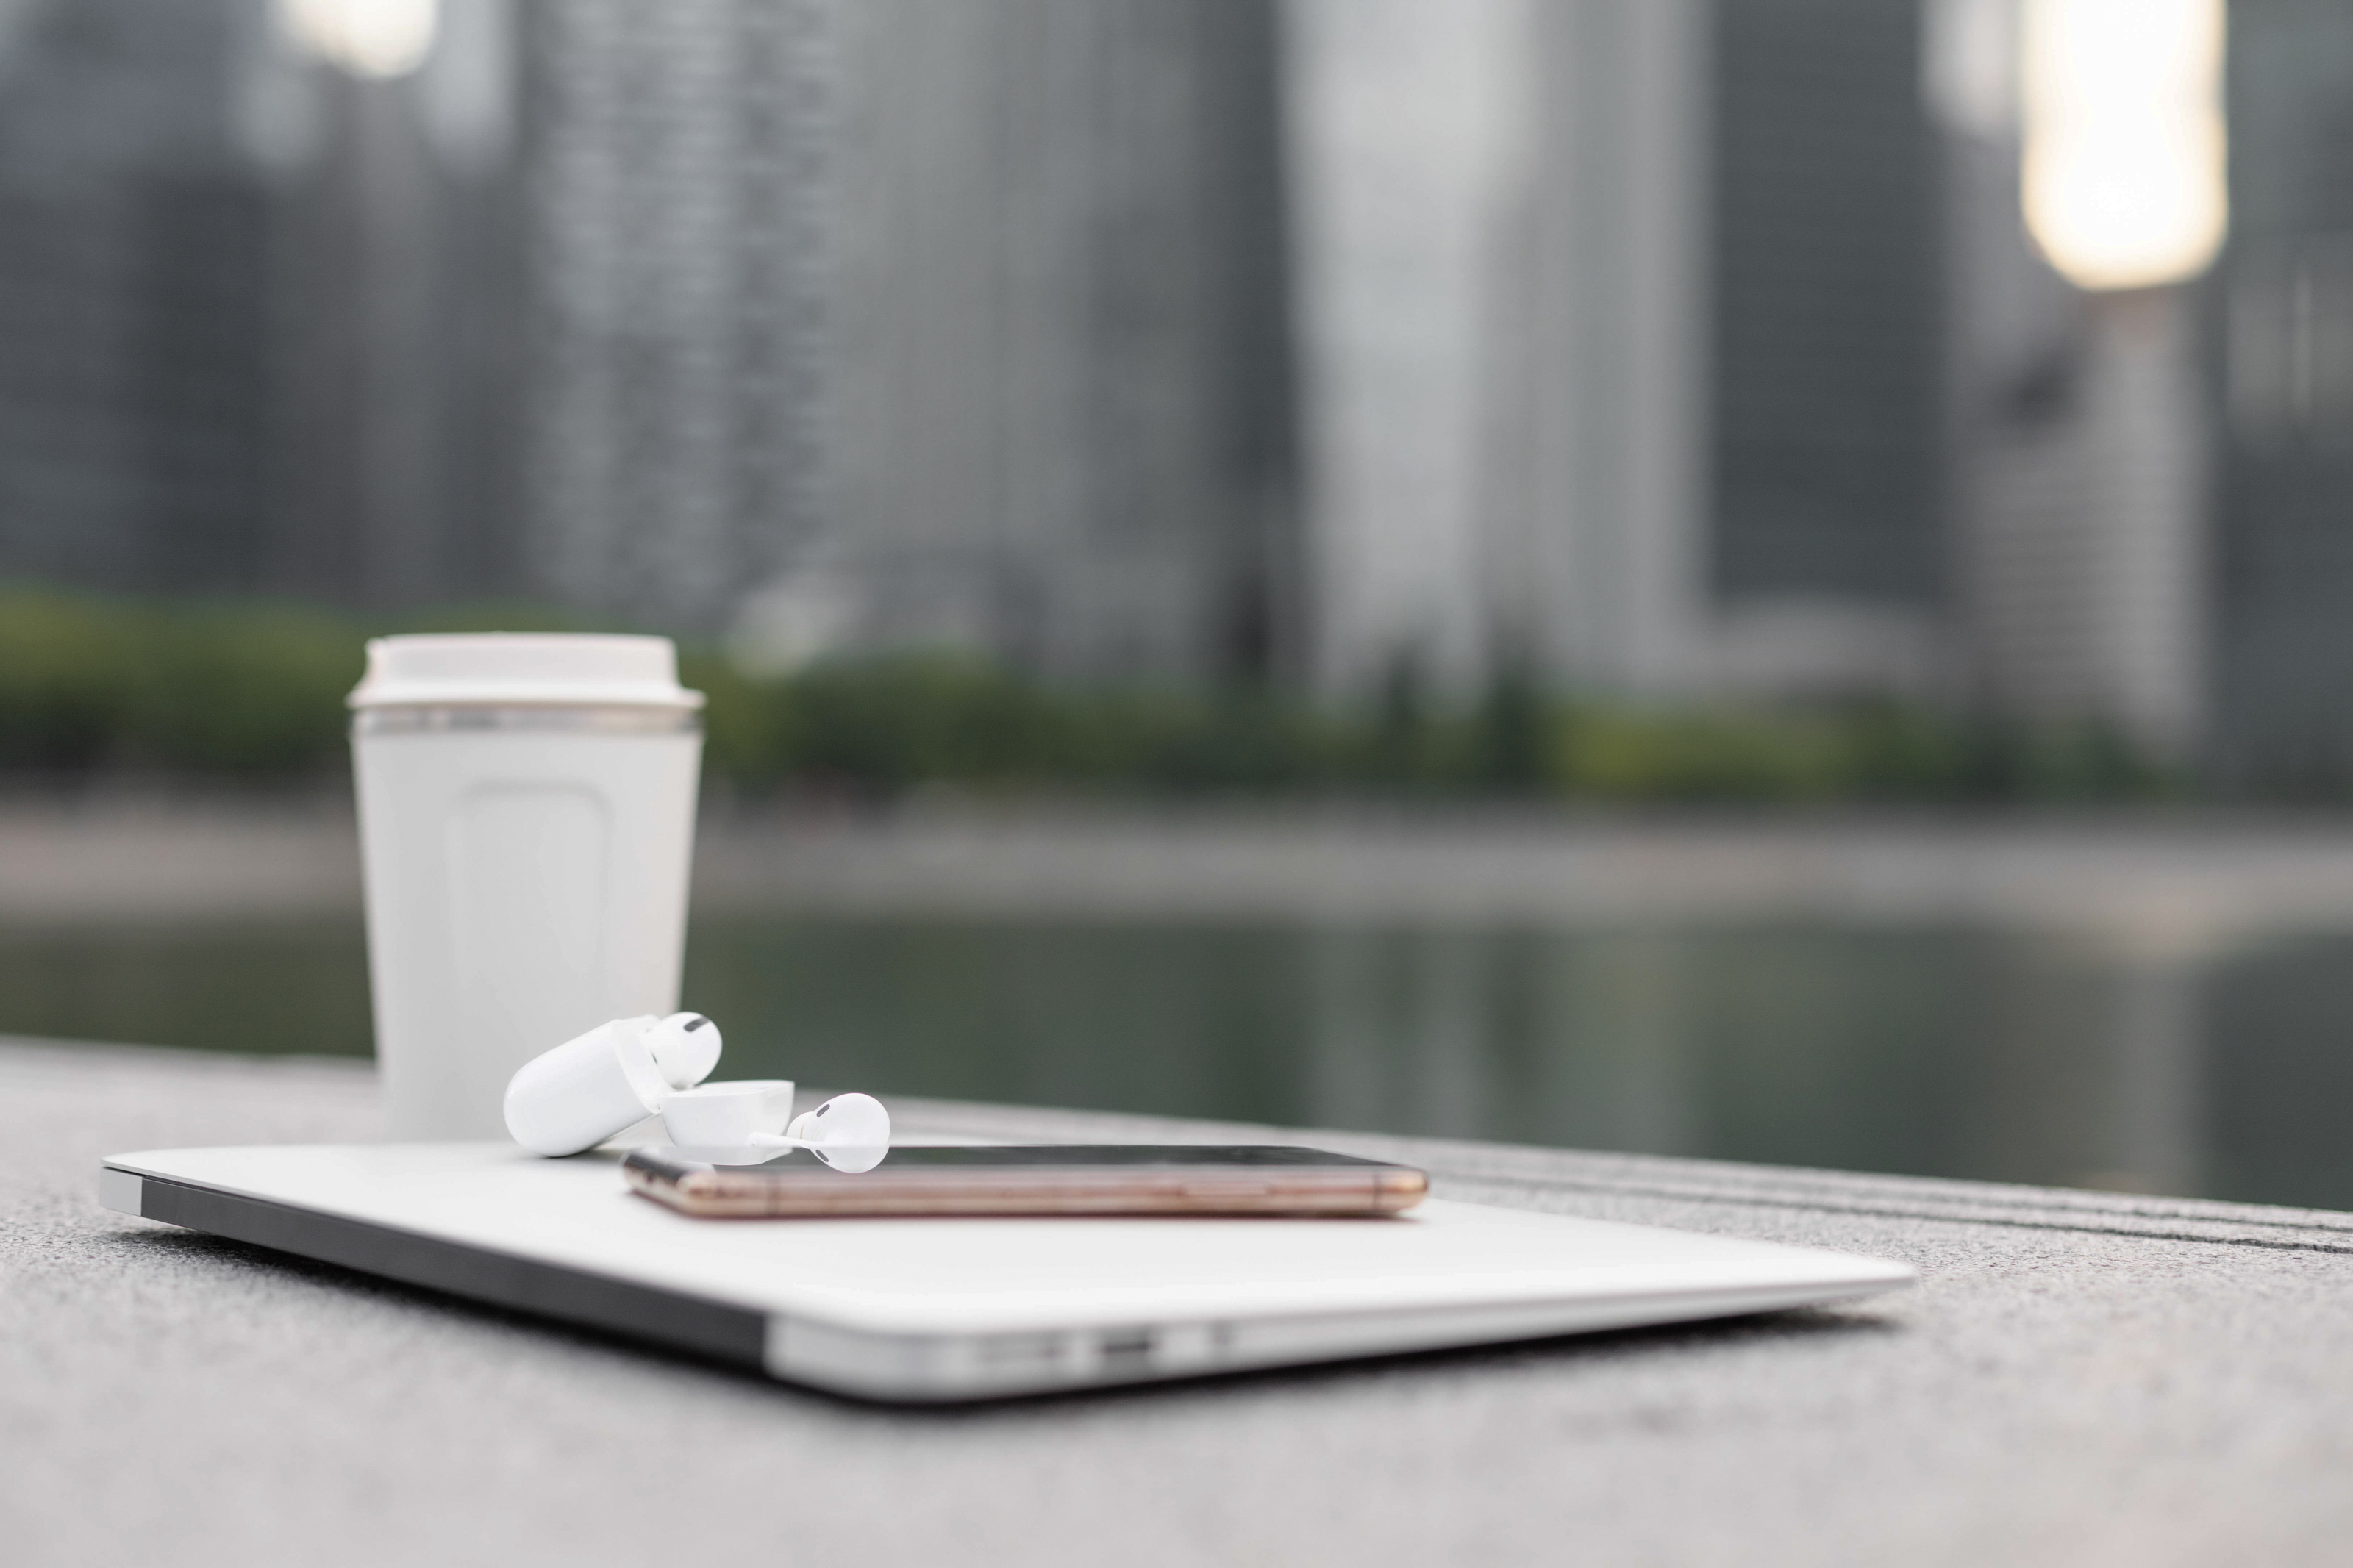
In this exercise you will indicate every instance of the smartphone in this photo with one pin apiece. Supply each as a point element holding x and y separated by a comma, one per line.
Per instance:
<point>1029,1179</point>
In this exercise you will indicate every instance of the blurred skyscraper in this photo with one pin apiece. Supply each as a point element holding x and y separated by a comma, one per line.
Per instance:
<point>559,337</point>
<point>398,261</point>
<point>1501,212</point>
<point>862,324</point>
<point>853,324</point>
<point>1622,332</point>
<point>1058,400</point>
<point>671,178</point>
<point>253,311</point>
<point>1648,346</point>
<point>1699,346</point>
<point>134,313</point>
<point>2078,488</point>
<point>2283,318</point>
<point>1827,541</point>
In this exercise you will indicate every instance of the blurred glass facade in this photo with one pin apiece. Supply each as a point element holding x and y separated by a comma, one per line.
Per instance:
<point>1666,349</point>
<point>2280,350</point>
<point>1829,319</point>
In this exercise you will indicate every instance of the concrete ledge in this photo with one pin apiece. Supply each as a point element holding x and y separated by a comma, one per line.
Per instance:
<point>2159,884</point>
<point>2081,1379</point>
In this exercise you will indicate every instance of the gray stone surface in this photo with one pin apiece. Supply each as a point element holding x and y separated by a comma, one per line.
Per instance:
<point>2080,1379</point>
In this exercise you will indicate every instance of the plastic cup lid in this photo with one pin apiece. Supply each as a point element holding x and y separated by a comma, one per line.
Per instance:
<point>523,667</point>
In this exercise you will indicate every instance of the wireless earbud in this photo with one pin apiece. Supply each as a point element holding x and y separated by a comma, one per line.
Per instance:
<point>845,1130</point>
<point>685,1047</point>
<point>593,1086</point>
<point>615,1076</point>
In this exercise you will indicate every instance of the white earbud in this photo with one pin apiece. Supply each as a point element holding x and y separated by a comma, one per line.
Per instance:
<point>850,1132</point>
<point>615,1076</point>
<point>590,1088</point>
<point>685,1047</point>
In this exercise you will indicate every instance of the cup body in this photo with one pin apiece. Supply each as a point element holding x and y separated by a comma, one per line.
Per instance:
<point>526,867</point>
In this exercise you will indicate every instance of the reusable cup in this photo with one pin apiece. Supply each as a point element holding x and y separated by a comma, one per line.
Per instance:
<point>526,828</point>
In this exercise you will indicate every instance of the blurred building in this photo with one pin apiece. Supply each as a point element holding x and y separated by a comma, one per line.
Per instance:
<point>560,278</point>
<point>1699,346</point>
<point>514,313</point>
<point>253,311</point>
<point>672,180</point>
<point>1622,325</point>
<point>1647,346</point>
<point>1499,221</point>
<point>397,347</point>
<point>553,326</point>
<point>2284,319</point>
<point>870,324</point>
<point>134,309</point>
<point>851,325</point>
<point>1058,400</point>
<point>2076,440</point>
<point>1826,555</point>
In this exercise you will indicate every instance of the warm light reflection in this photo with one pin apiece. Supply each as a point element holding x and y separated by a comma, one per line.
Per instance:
<point>376,38</point>
<point>2124,179</point>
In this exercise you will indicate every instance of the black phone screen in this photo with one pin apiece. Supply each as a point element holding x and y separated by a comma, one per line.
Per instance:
<point>676,1162</point>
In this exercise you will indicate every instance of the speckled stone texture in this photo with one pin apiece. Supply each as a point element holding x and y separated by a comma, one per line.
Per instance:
<point>2081,1380</point>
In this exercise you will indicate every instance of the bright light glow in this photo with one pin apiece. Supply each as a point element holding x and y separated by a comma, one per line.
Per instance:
<point>2124,179</point>
<point>378,38</point>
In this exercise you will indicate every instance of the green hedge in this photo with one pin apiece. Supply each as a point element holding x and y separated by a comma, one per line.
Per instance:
<point>92,686</point>
<point>236,691</point>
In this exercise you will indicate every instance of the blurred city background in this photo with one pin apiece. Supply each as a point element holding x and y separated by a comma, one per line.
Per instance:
<point>1766,578</point>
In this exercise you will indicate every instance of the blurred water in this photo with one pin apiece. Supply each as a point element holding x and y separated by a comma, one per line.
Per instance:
<point>1950,1051</point>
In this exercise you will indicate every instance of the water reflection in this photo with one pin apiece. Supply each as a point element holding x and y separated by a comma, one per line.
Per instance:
<point>2131,1064</point>
<point>1943,1052</point>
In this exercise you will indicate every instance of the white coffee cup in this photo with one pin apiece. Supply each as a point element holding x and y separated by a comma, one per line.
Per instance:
<point>527,829</point>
